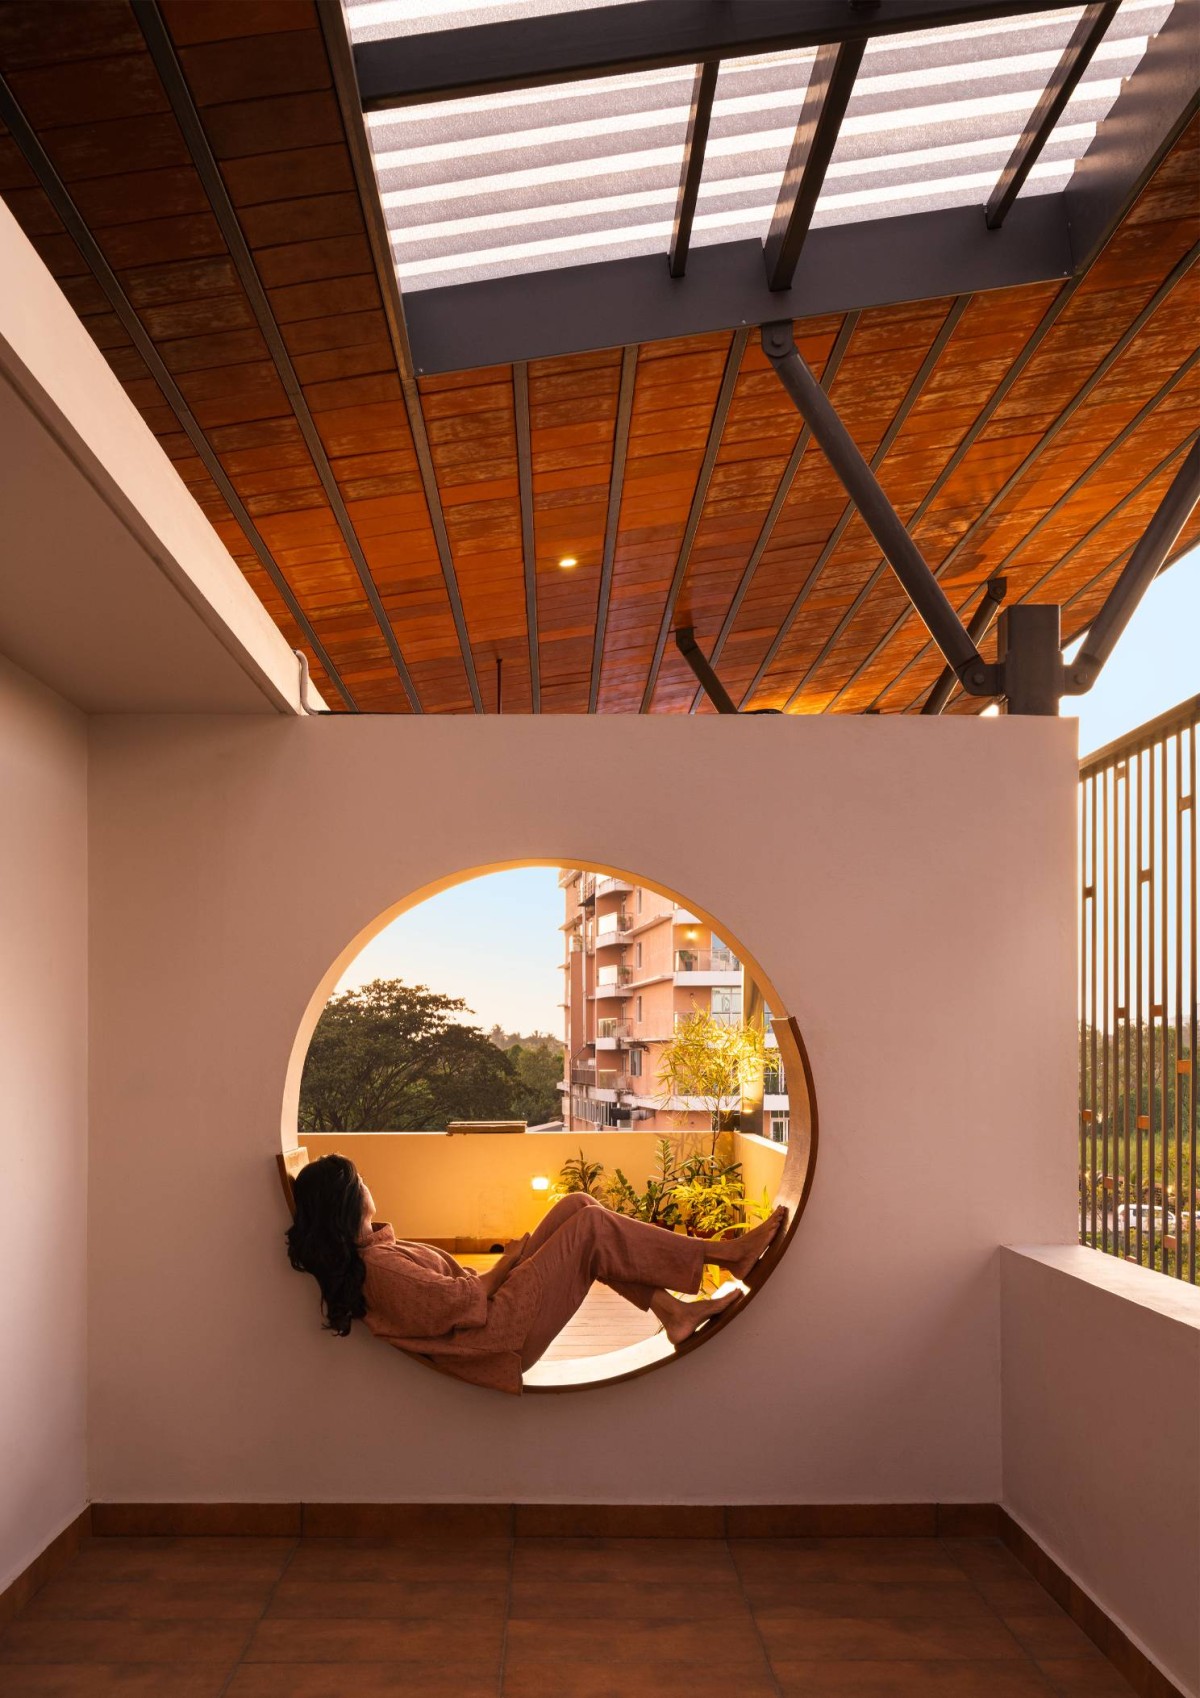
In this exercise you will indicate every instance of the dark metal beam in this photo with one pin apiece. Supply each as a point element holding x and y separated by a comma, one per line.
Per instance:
<point>1096,466</point>
<point>76,227</point>
<point>528,541</point>
<point>880,517</point>
<point>1143,565</point>
<point>699,118</point>
<point>337,45</point>
<point>162,52</point>
<point>615,40</point>
<point>1075,59</point>
<point>843,268</point>
<point>616,485</point>
<point>1178,272</point>
<point>733,364</point>
<point>718,695</point>
<point>911,396</point>
<point>782,490</point>
<point>1154,106</point>
<point>826,98</point>
<point>994,593</point>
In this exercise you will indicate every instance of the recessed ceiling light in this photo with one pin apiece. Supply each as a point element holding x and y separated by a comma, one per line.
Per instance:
<point>567,561</point>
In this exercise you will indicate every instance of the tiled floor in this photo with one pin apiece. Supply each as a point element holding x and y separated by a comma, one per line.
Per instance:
<point>548,1618</point>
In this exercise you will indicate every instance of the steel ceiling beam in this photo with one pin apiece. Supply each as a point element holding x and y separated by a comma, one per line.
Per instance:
<point>733,365</point>
<point>75,225</point>
<point>830,85</point>
<point>782,490</point>
<point>616,485</point>
<point>696,140</point>
<point>615,40</point>
<point>332,20</point>
<point>994,592</point>
<point>718,695</point>
<point>166,63</point>
<point>1076,57</point>
<point>520,378</point>
<point>574,309</point>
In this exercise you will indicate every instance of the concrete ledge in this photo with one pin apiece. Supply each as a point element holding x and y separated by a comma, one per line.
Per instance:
<point>1100,1393</point>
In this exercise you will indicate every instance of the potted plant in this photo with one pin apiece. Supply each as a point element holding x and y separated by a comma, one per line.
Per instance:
<point>577,1173</point>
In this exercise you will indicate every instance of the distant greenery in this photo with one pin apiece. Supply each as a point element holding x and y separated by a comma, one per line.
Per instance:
<point>391,1057</point>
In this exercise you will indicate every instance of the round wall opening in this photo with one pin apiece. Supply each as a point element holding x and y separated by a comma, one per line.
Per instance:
<point>520,1044</point>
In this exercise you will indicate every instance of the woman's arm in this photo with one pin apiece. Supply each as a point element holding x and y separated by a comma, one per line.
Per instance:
<point>494,1277</point>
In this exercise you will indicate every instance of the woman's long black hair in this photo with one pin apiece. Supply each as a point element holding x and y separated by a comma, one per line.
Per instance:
<point>323,1240</point>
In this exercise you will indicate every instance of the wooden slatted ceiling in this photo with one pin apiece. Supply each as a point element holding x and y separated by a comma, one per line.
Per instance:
<point>961,394</point>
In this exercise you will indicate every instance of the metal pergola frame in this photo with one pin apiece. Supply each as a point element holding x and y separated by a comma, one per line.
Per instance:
<point>797,272</point>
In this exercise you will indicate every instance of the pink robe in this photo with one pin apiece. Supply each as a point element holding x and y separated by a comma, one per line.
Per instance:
<point>422,1301</point>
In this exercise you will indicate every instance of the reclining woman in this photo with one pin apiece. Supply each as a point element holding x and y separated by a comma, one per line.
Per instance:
<point>489,1327</point>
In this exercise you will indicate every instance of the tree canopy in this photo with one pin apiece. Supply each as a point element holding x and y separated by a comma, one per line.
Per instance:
<point>390,1057</point>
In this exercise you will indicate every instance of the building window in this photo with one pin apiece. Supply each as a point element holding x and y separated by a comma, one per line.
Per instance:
<point>635,1063</point>
<point>637,900</point>
<point>779,1128</point>
<point>637,1010</point>
<point>637,954</point>
<point>727,1000</point>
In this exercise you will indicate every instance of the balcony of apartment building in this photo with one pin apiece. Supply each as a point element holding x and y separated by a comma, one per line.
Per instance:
<point>613,928</point>
<point>716,966</point>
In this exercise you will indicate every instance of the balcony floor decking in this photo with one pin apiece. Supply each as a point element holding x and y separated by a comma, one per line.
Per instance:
<point>548,1617</point>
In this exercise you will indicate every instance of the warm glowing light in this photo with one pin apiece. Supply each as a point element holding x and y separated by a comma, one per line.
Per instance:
<point>567,561</point>
<point>541,1183</point>
<point>692,935</point>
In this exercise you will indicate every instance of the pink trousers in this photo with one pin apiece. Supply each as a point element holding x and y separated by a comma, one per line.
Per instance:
<point>580,1241</point>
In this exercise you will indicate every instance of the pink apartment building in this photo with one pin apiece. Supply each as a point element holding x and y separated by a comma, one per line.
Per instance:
<point>635,963</point>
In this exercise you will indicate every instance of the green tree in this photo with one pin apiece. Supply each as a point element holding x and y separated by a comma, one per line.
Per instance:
<point>708,1058</point>
<point>389,1057</point>
<point>539,1072</point>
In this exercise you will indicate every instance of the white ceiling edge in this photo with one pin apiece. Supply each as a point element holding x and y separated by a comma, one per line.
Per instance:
<point>160,618</point>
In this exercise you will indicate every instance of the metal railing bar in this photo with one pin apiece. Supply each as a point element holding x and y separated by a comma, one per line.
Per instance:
<point>76,227</point>
<point>733,366</point>
<point>782,490</point>
<point>695,142</point>
<point>162,52</point>
<point>830,85</point>
<point>616,485</point>
<point>1076,57</point>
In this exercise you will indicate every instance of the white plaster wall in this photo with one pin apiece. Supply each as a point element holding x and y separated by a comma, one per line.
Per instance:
<point>912,901</point>
<point>43,1117</point>
<point>1102,1437</point>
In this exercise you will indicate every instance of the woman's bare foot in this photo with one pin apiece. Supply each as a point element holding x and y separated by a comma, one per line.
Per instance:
<point>680,1318</point>
<point>739,1255</point>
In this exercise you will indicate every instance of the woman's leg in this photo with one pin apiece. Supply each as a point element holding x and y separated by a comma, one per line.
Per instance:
<point>555,1218</point>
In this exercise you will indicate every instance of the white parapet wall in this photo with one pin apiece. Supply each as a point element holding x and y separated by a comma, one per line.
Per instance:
<point>1101,1402</point>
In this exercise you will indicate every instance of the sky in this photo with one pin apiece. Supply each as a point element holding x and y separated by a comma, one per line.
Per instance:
<point>495,940</point>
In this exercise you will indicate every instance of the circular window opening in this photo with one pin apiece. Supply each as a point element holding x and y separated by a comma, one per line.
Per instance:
<point>521,1046</point>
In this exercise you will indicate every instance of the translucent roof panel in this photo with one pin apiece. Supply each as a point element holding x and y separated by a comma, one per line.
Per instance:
<point>534,179</point>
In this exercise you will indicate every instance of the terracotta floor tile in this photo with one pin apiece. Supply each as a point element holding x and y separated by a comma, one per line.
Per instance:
<point>218,1642</point>
<point>671,1560</point>
<point>542,1598</point>
<point>719,1648</point>
<point>1084,1677</point>
<point>1016,1596</point>
<point>910,1561</point>
<point>162,1559</point>
<point>805,1598</point>
<point>900,1639</point>
<point>406,1600</point>
<point>112,1680</point>
<point>471,1561</point>
<point>1052,1636</point>
<point>463,1640</point>
<point>177,1599</point>
<point>911,1680</point>
<point>366,1680</point>
<point>985,1557</point>
<point>524,1679</point>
